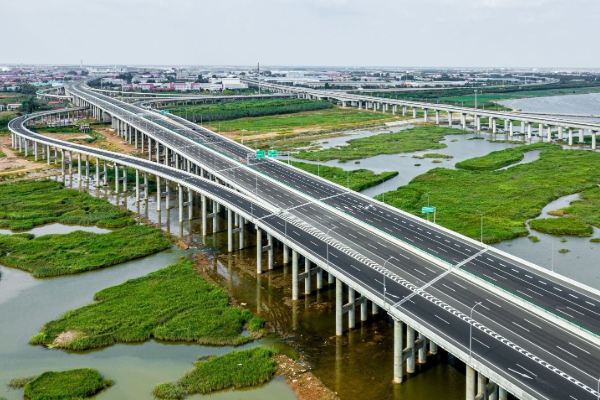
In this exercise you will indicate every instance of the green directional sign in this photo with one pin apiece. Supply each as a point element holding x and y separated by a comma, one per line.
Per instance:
<point>427,210</point>
<point>260,154</point>
<point>272,153</point>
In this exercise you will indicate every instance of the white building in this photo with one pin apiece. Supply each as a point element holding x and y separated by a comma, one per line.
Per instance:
<point>233,83</point>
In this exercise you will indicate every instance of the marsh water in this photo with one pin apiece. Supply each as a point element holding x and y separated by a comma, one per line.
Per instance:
<point>356,366</point>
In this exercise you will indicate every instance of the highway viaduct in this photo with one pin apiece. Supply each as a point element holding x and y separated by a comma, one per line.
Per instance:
<point>527,122</point>
<point>434,306</point>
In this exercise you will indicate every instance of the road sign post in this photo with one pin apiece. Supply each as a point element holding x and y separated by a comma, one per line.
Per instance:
<point>428,210</point>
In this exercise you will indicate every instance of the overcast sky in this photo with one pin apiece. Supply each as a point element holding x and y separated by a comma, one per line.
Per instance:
<point>500,33</point>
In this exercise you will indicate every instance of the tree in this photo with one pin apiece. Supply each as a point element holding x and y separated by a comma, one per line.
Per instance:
<point>150,81</point>
<point>26,88</point>
<point>29,105</point>
<point>128,77</point>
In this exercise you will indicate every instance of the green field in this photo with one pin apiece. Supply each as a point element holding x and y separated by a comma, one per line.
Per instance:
<point>359,179</point>
<point>308,122</point>
<point>244,109</point>
<point>5,117</point>
<point>173,304</point>
<point>405,141</point>
<point>26,204</point>
<point>501,158</point>
<point>79,251</point>
<point>586,208</point>
<point>66,385</point>
<point>236,370</point>
<point>561,226</point>
<point>507,198</point>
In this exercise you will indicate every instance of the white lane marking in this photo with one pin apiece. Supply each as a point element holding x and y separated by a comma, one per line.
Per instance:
<point>591,304</point>
<point>480,342</point>
<point>572,295</point>
<point>559,310</point>
<point>572,309</point>
<point>494,303</point>
<point>557,289</point>
<point>441,319</point>
<point>568,352</point>
<point>537,326</point>
<point>524,294</point>
<point>574,345</point>
<point>459,285</point>
<point>520,373</point>
<point>446,286</point>
<point>514,323</point>
<point>525,369</point>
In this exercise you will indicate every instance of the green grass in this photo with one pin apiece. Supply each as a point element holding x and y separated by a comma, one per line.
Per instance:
<point>309,122</point>
<point>236,370</point>
<point>173,304</point>
<point>17,383</point>
<point>595,240</point>
<point>250,108</point>
<point>405,141</point>
<point>561,226</point>
<point>501,158</point>
<point>66,385</point>
<point>563,251</point>
<point>534,239</point>
<point>79,251</point>
<point>5,117</point>
<point>26,204</point>
<point>360,179</point>
<point>507,198</point>
<point>586,208</point>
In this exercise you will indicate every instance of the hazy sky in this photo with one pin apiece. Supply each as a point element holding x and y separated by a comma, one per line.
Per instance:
<point>536,33</point>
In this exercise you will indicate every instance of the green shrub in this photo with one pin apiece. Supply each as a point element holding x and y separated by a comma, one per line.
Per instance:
<point>174,303</point>
<point>73,384</point>
<point>562,251</point>
<point>256,324</point>
<point>534,239</point>
<point>17,383</point>
<point>501,158</point>
<point>168,391</point>
<point>561,226</point>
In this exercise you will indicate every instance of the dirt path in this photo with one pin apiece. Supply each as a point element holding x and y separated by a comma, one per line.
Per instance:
<point>12,162</point>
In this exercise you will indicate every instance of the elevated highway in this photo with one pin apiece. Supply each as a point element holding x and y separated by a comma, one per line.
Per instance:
<point>545,124</point>
<point>517,334</point>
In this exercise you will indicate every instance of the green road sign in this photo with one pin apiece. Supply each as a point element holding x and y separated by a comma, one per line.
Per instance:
<point>260,154</point>
<point>427,210</point>
<point>272,153</point>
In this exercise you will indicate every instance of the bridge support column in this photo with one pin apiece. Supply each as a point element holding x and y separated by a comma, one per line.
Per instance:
<point>307,280</point>
<point>215,212</point>
<point>374,309</point>
<point>394,109</point>
<point>481,384</point>
<point>87,168</point>
<point>137,184</point>
<point>270,250</point>
<point>502,394</point>
<point>560,133</point>
<point>48,154</point>
<point>158,197</point>
<point>241,231</point>
<point>549,139</point>
<point>593,140</point>
<point>339,300</point>
<point>398,347</point>
<point>410,344</point>
<point>424,115</point>
<point>229,231</point>
<point>470,383</point>
<point>97,172</point>
<point>437,117</point>
<point>258,251</point>
<point>422,349</point>
<point>492,391</point>
<point>294,275</point>
<point>581,140</point>
<point>570,137</point>
<point>414,112</point>
<point>404,110</point>
<point>510,129</point>
<point>286,254</point>
<point>433,347</point>
<point>478,123</point>
<point>463,121</point>
<point>71,163</point>
<point>320,278</point>
<point>79,165</point>
<point>493,124</point>
<point>62,161</point>
<point>116,178</point>
<point>529,130</point>
<point>449,118</point>
<point>352,308</point>
<point>203,206</point>
<point>522,127</point>
<point>35,151</point>
<point>541,131</point>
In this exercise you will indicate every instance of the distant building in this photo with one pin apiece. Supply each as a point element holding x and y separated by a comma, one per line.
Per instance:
<point>12,107</point>
<point>2,107</point>
<point>232,83</point>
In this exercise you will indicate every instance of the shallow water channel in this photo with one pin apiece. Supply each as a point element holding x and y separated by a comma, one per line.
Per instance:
<point>357,365</point>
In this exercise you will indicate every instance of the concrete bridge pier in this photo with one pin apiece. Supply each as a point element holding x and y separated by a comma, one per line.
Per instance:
<point>511,132</point>
<point>560,133</point>
<point>214,214</point>
<point>398,348</point>
<point>404,110</point>
<point>241,231</point>
<point>410,348</point>
<point>541,131</point>
<point>414,112</point>
<point>394,109</point>
<point>87,167</point>
<point>422,349</point>
<point>437,117</point>
<point>470,383</point>
<point>449,118</point>
<point>425,115</point>
<point>570,136</point>
<point>79,165</point>
<point>493,125</point>
<point>522,131</point>
<point>71,163</point>
<point>549,138</point>
<point>62,161</point>
<point>294,275</point>
<point>286,254</point>
<point>593,140</point>
<point>204,216</point>
<point>502,394</point>
<point>581,136</point>
<point>529,130</point>
<point>478,123</point>
<point>463,121</point>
